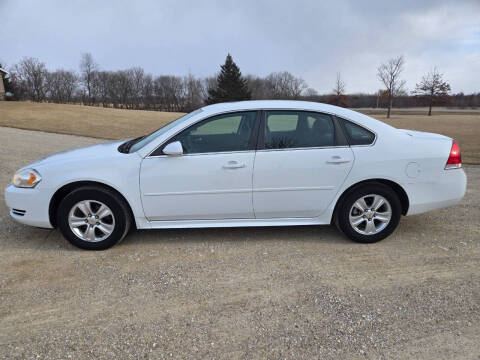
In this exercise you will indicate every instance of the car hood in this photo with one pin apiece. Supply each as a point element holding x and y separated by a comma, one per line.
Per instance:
<point>92,152</point>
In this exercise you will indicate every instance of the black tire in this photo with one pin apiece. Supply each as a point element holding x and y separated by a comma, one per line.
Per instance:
<point>343,212</point>
<point>116,204</point>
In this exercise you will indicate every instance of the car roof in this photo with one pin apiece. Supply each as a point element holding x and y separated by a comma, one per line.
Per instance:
<point>266,104</point>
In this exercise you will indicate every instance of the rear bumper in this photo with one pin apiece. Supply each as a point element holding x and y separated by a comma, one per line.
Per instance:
<point>29,206</point>
<point>446,190</point>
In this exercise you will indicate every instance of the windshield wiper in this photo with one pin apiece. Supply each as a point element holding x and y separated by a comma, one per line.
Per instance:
<point>126,146</point>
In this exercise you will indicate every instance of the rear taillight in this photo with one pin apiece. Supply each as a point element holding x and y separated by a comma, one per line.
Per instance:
<point>455,159</point>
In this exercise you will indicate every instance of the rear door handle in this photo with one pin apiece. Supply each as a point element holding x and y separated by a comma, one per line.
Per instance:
<point>233,165</point>
<point>338,160</point>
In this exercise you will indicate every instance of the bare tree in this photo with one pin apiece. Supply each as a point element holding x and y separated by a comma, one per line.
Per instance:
<point>283,85</point>
<point>124,87</point>
<point>31,74</point>
<point>389,74</point>
<point>339,98</point>
<point>147,92</point>
<point>88,71</point>
<point>137,79</point>
<point>310,92</point>
<point>208,83</point>
<point>114,88</point>
<point>379,95</point>
<point>102,87</point>
<point>339,88</point>
<point>61,85</point>
<point>257,86</point>
<point>193,93</point>
<point>169,92</point>
<point>432,88</point>
<point>68,85</point>
<point>52,86</point>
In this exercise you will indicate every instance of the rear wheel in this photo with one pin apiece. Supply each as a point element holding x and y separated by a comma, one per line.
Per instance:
<point>369,213</point>
<point>93,218</point>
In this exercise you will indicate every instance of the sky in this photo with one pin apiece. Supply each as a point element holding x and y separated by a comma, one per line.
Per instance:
<point>311,39</point>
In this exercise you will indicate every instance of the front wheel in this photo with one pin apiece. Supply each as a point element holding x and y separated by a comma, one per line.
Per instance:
<point>369,213</point>
<point>93,218</point>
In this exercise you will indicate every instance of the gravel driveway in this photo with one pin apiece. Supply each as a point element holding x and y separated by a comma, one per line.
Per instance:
<point>270,293</point>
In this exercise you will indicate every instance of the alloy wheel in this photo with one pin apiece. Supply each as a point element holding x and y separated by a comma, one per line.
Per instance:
<point>91,220</point>
<point>370,214</point>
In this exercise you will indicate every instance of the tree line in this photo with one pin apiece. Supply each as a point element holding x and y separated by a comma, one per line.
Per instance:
<point>133,88</point>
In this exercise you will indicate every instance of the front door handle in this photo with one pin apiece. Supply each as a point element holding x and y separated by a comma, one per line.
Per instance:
<point>233,165</point>
<point>338,160</point>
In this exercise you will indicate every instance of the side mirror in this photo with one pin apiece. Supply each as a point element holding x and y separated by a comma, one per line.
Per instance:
<point>173,149</point>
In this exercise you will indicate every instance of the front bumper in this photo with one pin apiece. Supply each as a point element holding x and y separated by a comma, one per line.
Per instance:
<point>32,203</point>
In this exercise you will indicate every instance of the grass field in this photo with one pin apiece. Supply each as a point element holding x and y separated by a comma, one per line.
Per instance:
<point>119,124</point>
<point>80,120</point>
<point>465,128</point>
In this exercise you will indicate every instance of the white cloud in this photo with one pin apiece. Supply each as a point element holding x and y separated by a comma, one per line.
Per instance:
<point>312,39</point>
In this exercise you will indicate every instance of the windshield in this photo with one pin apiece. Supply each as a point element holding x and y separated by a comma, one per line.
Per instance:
<point>149,138</point>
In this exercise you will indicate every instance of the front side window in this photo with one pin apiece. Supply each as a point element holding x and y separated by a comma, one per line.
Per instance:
<point>221,133</point>
<point>298,129</point>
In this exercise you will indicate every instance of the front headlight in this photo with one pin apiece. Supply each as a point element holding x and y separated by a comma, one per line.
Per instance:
<point>27,178</point>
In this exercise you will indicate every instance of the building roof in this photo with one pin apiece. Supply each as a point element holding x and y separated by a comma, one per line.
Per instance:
<point>3,71</point>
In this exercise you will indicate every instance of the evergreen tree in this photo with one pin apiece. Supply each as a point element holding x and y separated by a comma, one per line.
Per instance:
<point>231,86</point>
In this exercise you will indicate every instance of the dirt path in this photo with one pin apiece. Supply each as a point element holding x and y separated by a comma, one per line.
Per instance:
<point>289,293</point>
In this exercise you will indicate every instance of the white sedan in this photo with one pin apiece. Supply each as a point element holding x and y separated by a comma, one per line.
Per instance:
<point>252,163</point>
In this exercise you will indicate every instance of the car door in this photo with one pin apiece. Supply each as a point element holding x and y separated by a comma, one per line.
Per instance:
<point>213,177</point>
<point>302,161</point>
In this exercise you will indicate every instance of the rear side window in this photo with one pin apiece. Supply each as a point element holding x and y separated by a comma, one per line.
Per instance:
<point>298,129</point>
<point>358,135</point>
